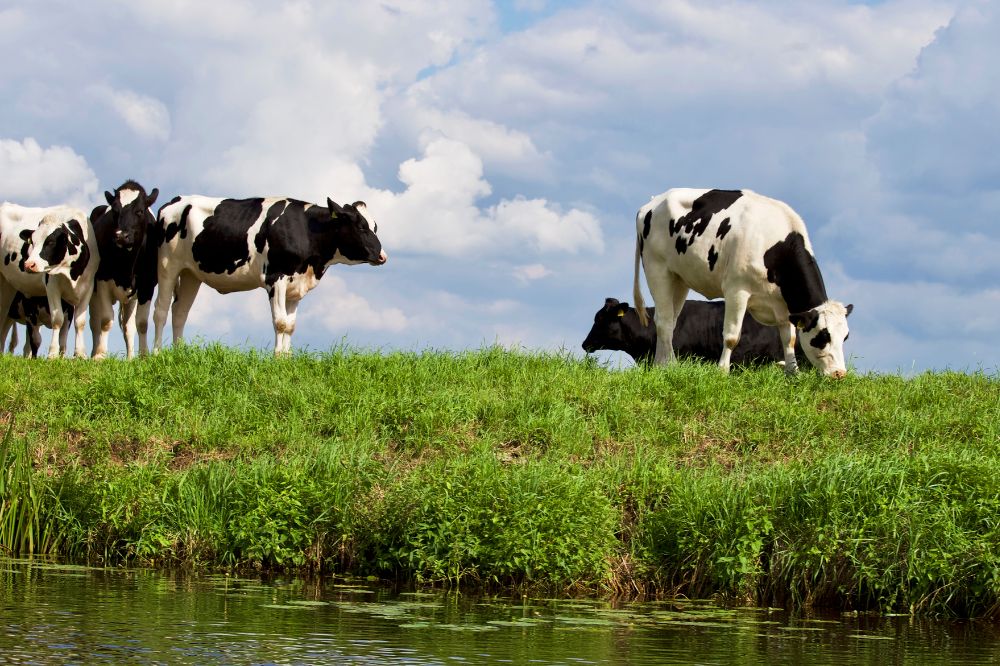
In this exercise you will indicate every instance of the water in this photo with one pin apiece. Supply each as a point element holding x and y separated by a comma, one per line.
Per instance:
<point>54,614</point>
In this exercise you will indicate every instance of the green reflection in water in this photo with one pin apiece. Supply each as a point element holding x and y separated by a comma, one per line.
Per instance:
<point>52,612</point>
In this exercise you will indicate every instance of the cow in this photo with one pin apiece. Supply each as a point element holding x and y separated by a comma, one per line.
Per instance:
<point>33,312</point>
<point>125,233</point>
<point>697,335</point>
<point>48,252</point>
<point>749,249</point>
<point>282,245</point>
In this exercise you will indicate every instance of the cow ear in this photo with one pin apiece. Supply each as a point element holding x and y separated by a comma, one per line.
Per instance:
<point>850,309</point>
<point>110,197</point>
<point>25,234</point>
<point>610,302</point>
<point>804,320</point>
<point>151,197</point>
<point>332,205</point>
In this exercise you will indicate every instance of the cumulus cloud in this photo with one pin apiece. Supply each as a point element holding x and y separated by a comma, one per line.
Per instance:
<point>344,310</point>
<point>530,273</point>
<point>437,213</point>
<point>33,175</point>
<point>146,116</point>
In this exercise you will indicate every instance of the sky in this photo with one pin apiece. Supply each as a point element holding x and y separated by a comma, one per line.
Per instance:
<point>504,148</point>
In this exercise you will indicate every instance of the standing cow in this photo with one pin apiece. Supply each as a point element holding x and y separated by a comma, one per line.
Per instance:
<point>697,334</point>
<point>126,274</point>
<point>749,249</point>
<point>278,244</point>
<point>48,252</point>
<point>33,312</point>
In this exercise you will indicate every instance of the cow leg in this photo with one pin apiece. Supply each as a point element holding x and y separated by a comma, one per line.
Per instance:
<point>142,326</point>
<point>126,320</point>
<point>101,317</point>
<point>279,314</point>
<point>34,340</point>
<point>9,326</point>
<point>81,309</point>
<point>166,283</point>
<point>58,320</point>
<point>64,332</point>
<point>787,334</point>
<point>736,308</point>
<point>187,289</point>
<point>291,306</point>
<point>668,293</point>
<point>6,298</point>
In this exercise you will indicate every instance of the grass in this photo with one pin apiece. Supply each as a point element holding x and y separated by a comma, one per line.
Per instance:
<point>503,468</point>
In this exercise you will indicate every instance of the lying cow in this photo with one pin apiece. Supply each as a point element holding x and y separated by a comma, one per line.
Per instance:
<point>126,274</point>
<point>281,245</point>
<point>697,334</point>
<point>749,249</point>
<point>33,312</point>
<point>48,252</point>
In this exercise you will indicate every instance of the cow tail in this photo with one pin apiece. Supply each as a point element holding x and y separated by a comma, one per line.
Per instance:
<point>640,307</point>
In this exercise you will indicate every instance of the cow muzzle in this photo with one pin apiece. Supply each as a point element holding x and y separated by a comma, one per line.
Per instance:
<point>122,240</point>
<point>838,374</point>
<point>382,258</point>
<point>32,266</point>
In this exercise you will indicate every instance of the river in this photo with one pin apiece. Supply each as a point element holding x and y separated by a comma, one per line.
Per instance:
<point>53,613</point>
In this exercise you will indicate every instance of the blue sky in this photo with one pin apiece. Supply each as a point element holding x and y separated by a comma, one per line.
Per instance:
<point>504,148</point>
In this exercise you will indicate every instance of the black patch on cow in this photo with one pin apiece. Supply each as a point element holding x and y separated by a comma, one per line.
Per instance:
<point>713,257</point>
<point>724,228</point>
<point>821,339</point>
<point>79,264</point>
<point>174,228</point>
<point>273,213</point>
<point>55,246</point>
<point>222,246</point>
<point>804,320</point>
<point>794,269</point>
<point>645,223</point>
<point>694,224</point>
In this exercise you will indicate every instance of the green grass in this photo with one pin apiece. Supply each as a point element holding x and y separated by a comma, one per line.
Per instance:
<point>513,469</point>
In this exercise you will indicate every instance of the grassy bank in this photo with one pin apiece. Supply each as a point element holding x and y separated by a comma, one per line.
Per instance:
<point>515,469</point>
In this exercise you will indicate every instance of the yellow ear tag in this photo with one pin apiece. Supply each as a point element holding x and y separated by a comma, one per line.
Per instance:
<point>621,313</point>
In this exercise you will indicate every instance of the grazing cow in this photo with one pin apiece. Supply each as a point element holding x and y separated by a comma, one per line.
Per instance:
<point>48,252</point>
<point>697,334</point>
<point>126,274</point>
<point>749,249</point>
<point>33,312</point>
<point>278,244</point>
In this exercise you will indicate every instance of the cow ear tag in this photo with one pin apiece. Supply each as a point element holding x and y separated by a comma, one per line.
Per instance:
<point>621,313</point>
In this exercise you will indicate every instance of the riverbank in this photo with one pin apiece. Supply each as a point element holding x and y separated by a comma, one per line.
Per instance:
<point>515,469</point>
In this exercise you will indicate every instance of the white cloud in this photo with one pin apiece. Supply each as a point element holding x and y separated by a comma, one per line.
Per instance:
<point>530,272</point>
<point>144,115</point>
<point>347,311</point>
<point>437,213</point>
<point>32,175</point>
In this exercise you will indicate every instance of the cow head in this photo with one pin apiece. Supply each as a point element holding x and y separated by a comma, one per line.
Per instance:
<point>356,239</point>
<point>607,331</point>
<point>129,206</point>
<point>55,246</point>
<point>822,332</point>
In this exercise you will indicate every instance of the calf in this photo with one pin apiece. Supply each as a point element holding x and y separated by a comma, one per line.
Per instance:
<point>697,334</point>
<point>48,252</point>
<point>749,249</point>
<point>126,274</point>
<point>33,312</point>
<point>281,245</point>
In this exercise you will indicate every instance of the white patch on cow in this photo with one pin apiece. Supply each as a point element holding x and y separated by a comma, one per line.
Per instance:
<point>127,196</point>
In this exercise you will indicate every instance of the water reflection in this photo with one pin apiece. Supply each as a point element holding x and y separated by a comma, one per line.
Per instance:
<point>52,613</point>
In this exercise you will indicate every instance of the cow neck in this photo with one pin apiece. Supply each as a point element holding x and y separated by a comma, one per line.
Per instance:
<point>793,268</point>
<point>641,340</point>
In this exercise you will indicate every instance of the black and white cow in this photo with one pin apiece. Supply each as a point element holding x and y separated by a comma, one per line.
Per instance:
<point>33,312</point>
<point>697,334</point>
<point>278,244</point>
<point>749,249</point>
<point>48,252</point>
<point>126,274</point>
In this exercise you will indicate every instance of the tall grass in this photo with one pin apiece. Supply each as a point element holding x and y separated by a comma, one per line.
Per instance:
<point>505,468</point>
